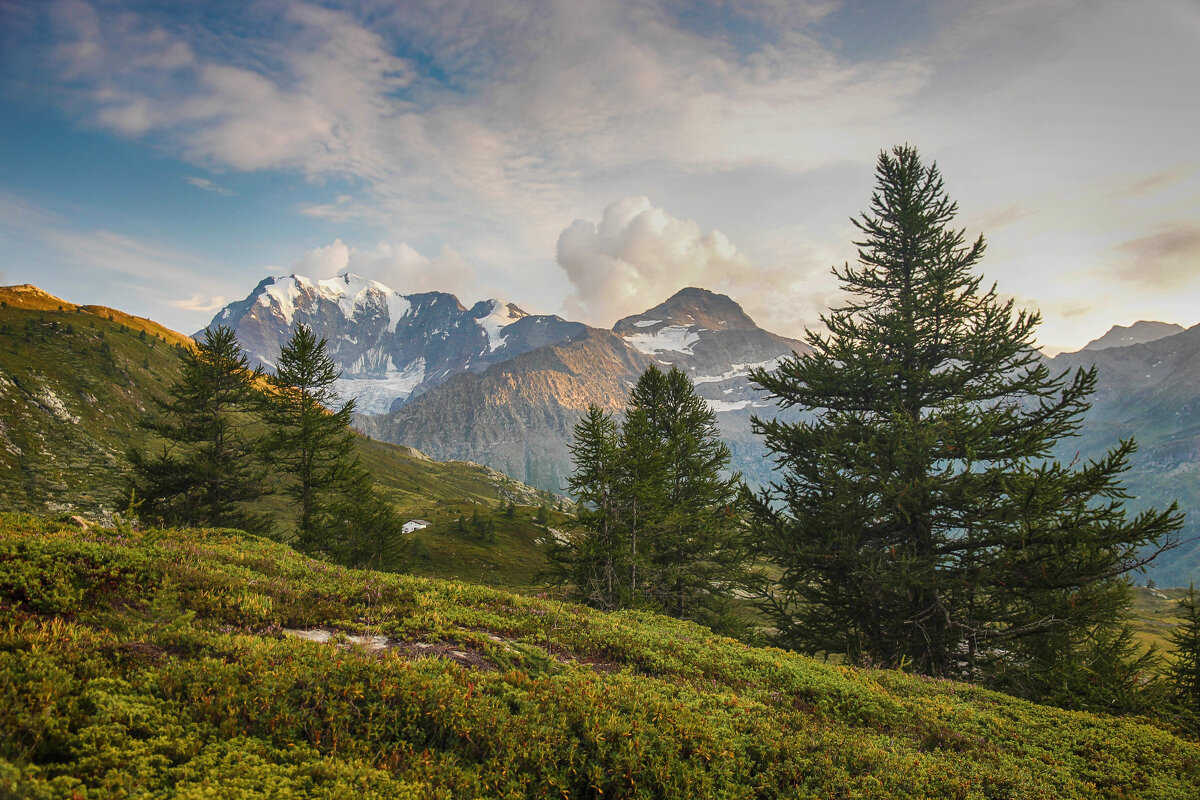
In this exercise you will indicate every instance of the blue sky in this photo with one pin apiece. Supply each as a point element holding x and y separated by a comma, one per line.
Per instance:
<point>589,158</point>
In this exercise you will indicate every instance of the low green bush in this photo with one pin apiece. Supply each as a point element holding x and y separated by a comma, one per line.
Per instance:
<point>157,665</point>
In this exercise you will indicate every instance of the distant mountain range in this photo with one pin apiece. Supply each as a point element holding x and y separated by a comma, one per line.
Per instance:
<point>495,385</point>
<point>501,387</point>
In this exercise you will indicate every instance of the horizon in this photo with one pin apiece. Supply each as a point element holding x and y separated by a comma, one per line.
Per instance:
<point>576,158</point>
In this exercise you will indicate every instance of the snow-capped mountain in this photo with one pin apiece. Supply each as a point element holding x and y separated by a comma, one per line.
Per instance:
<point>710,337</point>
<point>389,346</point>
<point>518,415</point>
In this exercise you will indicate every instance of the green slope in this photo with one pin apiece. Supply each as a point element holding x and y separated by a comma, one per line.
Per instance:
<point>75,379</point>
<point>160,665</point>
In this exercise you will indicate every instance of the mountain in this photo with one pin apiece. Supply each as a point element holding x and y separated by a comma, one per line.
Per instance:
<point>518,415</point>
<point>75,380</point>
<point>1151,392</point>
<point>210,663</point>
<point>389,347</point>
<point>1138,333</point>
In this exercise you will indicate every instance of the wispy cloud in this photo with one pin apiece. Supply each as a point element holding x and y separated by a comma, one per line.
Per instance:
<point>199,302</point>
<point>208,186</point>
<point>142,267</point>
<point>493,125</point>
<point>1168,258</point>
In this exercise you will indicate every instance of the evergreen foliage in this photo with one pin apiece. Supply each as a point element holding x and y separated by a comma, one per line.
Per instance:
<point>1184,670</point>
<point>657,522</point>
<point>338,511</point>
<point>918,519</point>
<point>208,467</point>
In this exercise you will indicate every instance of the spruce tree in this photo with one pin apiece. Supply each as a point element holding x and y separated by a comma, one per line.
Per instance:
<point>593,563</point>
<point>918,518</point>
<point>658,528</point>
<point>695,556</point>
<point>338,512</point>
<point>207,469</point>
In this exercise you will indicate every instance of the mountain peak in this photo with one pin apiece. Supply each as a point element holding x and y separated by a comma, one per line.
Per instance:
<point>692,307</point>
<point>1139,332</point>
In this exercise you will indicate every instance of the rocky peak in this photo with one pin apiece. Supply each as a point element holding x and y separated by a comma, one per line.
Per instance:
<point>689,308</point>
<point>1139,332</point>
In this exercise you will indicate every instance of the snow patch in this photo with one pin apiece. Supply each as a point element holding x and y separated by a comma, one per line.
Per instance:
<point>646,323</point>
<point>503,314</point>
<point>737,371</point>
<point>721,406</point>
<point>349,291</point>
<point>283,295</point>
<point>375,395</point>
<point>673,338</point>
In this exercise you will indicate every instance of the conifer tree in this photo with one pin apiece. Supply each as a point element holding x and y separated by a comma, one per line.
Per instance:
<point>657,515</point>
<point>338,512</point>
<point>207,469</point>
<point>594,564</point>
<point>1184,670</point>
<point>918,518</point>
<point>695,556</point>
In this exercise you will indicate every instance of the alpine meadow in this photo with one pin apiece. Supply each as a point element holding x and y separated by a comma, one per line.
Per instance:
<point>599,401</point>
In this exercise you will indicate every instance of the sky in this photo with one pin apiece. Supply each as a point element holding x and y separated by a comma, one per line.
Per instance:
<point>590,157</point>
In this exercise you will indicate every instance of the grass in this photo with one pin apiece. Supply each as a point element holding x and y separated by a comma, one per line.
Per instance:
<point>1155,615</point>
<point>157,664</point>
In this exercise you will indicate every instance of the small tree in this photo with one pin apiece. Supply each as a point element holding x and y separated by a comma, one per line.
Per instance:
<point>657,525</point>
<point>312,446</point>
<point>593,563</point>
<point>918,520</point>
<point>1184,670</point>
<point>207,468</point>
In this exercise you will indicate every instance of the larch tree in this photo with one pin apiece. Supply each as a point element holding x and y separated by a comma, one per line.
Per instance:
<point>918,518</point>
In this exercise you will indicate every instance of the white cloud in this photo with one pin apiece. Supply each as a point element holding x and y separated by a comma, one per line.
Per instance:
<point>505,120</point>
<point>208,186</point>
<point>400,267</point>
<point>199,302</point>
<point>638,252</point>
<point>638,255</point>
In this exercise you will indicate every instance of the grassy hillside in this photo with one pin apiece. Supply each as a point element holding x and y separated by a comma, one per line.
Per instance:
<point>170,663</point>
<point>75,379</point>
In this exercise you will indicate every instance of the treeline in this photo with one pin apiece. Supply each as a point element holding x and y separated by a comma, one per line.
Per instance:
<point>917,519</point>
<point>228,436</point>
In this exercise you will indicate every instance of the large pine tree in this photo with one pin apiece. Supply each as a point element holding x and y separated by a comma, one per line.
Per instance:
<point>206,470</point>
<point>918,518</point>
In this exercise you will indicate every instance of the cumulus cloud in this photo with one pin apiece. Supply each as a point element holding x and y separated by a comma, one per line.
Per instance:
<point>638,255</point>
<point>639,252</point>
<point>400,267</point>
